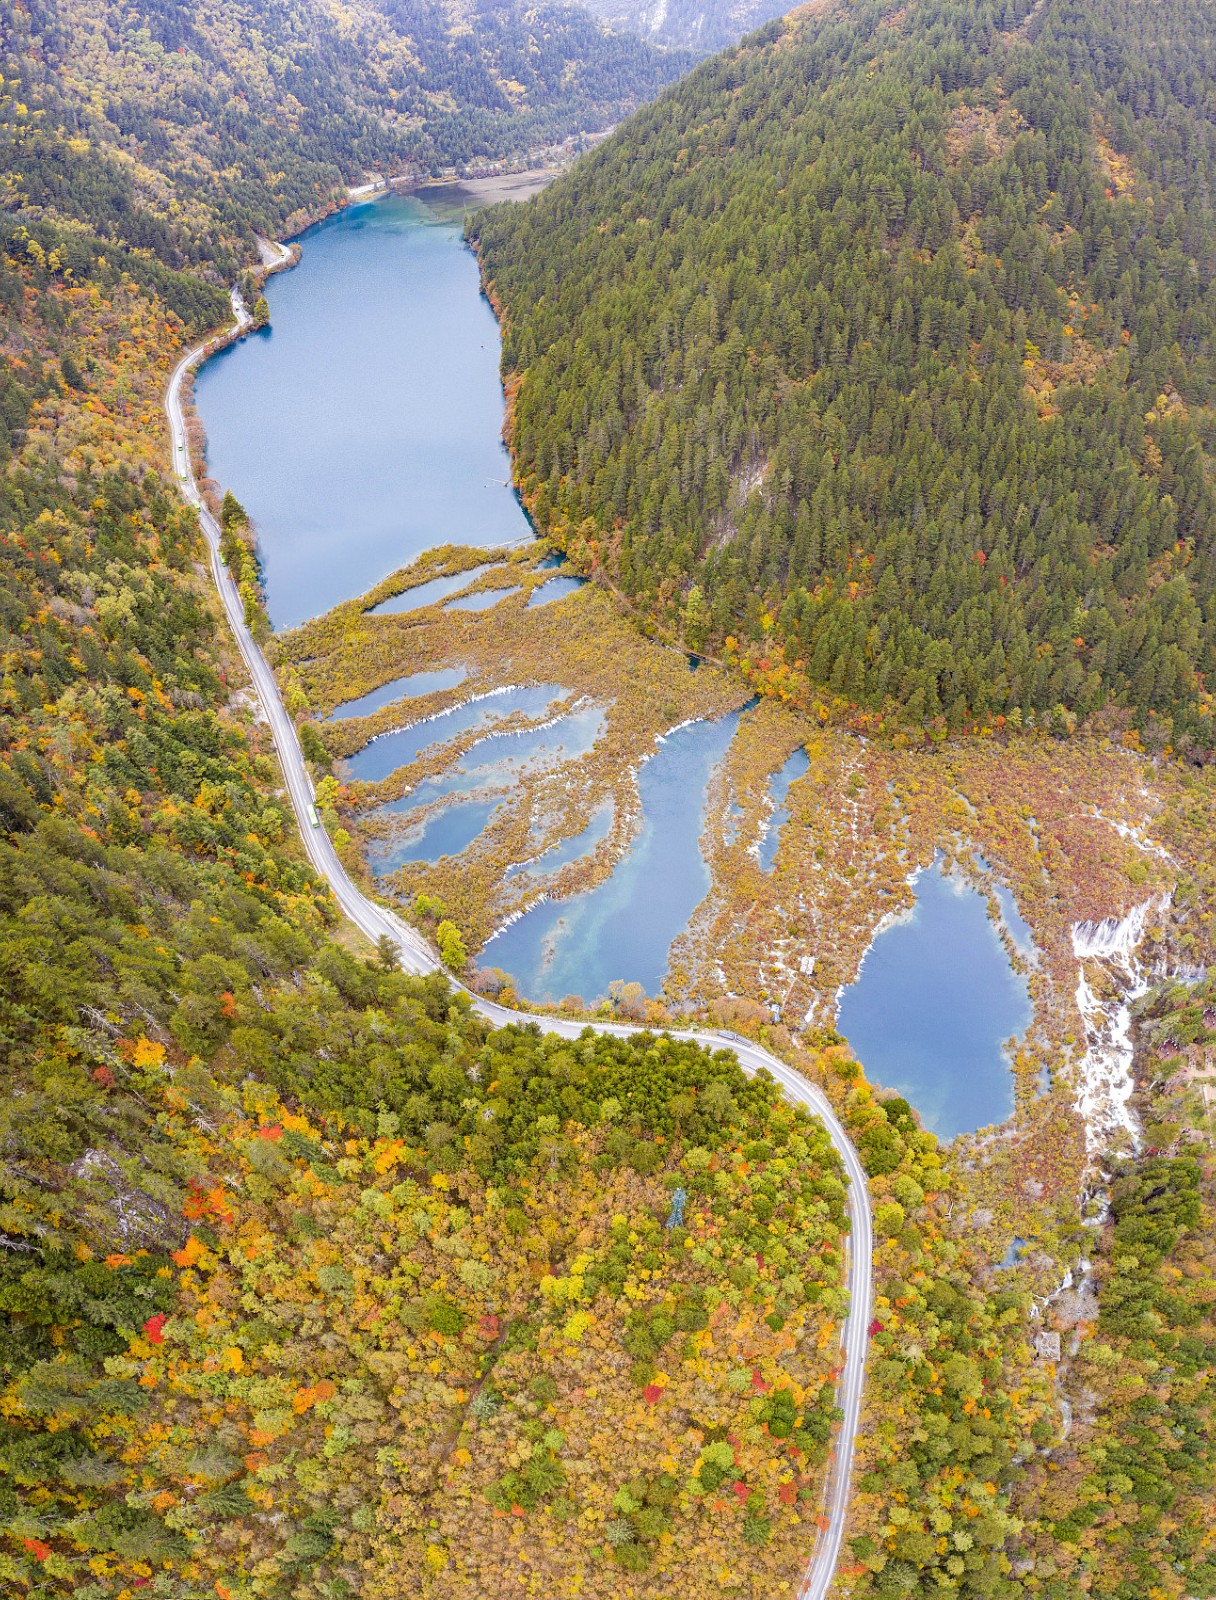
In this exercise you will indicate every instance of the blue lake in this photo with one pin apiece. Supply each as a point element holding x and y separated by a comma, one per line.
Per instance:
<point>407,688</point>
<point>565,851</point>
<point>428,593</point>
<point>500,759</point>
<point>932,1006</point>
<point>796,766</point>
<point>365,425</point>
<point>363,429</point>
<point>392,750</point>
<point>486,769</point>
<point>555,589</point>
<point>446,833</point>
<point>624,927</point>
<point>483,600</point>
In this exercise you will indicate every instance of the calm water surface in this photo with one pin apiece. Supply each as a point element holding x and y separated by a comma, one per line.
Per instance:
<point>624,927</point>
<point>565,851</point>
<point>446,833</point>
<point>935,1000</point>
<point>483,600</point>
<point>365,425</point>
<point>474,786</point>
<point>392,750</point>
<point>500,759</point>
<point>554,589</point>
<point>407,688</point>
<point>428,593</point>
<point>796,766</point>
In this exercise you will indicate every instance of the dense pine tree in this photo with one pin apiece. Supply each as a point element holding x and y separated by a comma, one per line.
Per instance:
<point>884,343</point>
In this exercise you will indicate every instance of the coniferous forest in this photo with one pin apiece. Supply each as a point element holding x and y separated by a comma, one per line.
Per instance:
<point>878,355</point>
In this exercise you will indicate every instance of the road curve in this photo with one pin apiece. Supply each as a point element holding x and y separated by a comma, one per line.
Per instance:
<point>416,956</point>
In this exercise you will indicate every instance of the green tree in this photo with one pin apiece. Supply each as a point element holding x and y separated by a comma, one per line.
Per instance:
<point>451,946</point>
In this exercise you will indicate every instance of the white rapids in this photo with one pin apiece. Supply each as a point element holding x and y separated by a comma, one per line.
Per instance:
<point>1106,1086</point>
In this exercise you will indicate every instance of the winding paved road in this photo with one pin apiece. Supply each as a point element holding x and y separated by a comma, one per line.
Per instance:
<point>417,957</point>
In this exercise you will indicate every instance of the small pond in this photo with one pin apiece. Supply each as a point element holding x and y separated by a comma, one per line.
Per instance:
<point>392,750</point>
<point>410,687</point>
<point>624,927</point>
<point>555,589</point>
<point>483,600</point>
<point>428,593</point>
<point>933,1005</point>
<point>565,851</point>
<point>445,833</point>
<point>500,759</point>
<point>797,766</point>
<point>493,764</point>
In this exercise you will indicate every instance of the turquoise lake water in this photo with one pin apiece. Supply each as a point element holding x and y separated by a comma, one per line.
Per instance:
<point>623,928</point>
<point>565,851</point>
<point>797,766</point>
<point>934,1002</point>
<point>475,785</point>
<point>364,426</point>
<point>407,688</point>
<point>392,750</point>
<point>554,589</point>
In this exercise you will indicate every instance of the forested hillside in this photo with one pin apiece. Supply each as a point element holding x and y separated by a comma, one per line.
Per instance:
<point>201,1082</point>
<point>878,355</point>
<point>700,25</point>
<point>181,128</point>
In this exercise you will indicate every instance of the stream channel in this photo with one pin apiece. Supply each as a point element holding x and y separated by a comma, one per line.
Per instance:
<point>363,428</point>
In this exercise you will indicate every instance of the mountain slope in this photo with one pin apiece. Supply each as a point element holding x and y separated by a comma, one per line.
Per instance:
<point>156,118</point>
<point>701,25</point>
<point>879,351</point>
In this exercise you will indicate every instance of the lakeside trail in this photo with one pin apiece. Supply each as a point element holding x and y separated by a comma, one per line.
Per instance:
<point>377,921</point>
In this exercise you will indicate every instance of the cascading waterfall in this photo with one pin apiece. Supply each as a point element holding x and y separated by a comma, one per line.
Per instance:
<point>1104,1100</point>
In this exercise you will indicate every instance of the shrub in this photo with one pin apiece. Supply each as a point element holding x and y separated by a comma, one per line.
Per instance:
<point>446,1319</point>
